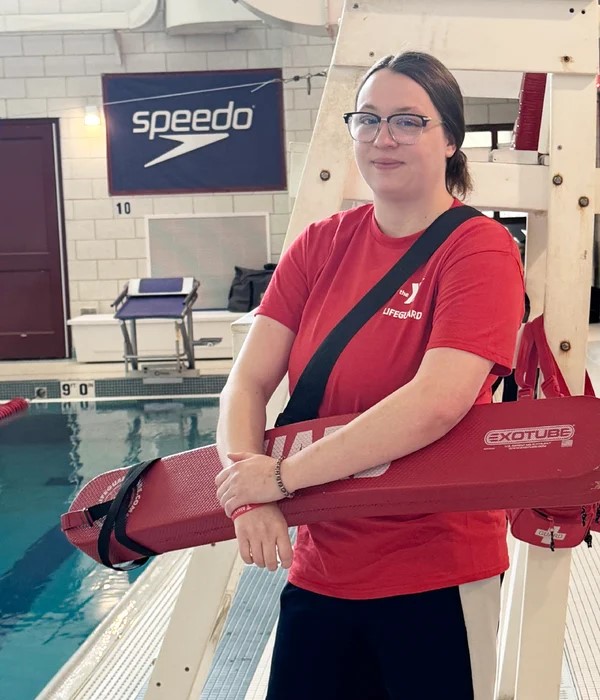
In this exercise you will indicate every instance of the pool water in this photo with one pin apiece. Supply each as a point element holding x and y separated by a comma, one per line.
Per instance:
<point>51,595</point>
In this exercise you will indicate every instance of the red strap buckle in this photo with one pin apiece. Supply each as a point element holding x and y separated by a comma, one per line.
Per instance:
<point>75,518</point>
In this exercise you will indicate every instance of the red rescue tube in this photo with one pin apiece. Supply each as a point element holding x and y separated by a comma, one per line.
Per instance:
<point>514,455</point>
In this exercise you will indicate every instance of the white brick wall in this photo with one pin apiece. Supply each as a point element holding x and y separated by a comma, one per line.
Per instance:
<point>121,269</point>
<point>205,42</point>
<point>83,44</point>
<point>146,63</point>
<point>248,39</point>
<point>83,270</point>
<point>118,5</point>
<point>132,42</point>
<point>252,202</point>
<point>12,87</point>
<point>192,60</point>
<point>10,7</point>
<point>22,67</point>
<point>92,209</point>
<point>226,60</point>
<point>64,65</point>
<point>43,45</point>
<point>119,228</point>
<point>81,230</point>
<point>46,87</point>
<point>92,291</point>
<point>77,189</point>
<point>174,205</point>
<point>159,42</point>
<point>11,46</point>
<point>211,204</point>
<point>38,7</point>
<point>133,249</point>
<point>22,108</point>
<point>84,86</point>
<point>100,188</point>
<point>80,6</point>
<point>54,75</point>
<point>96,65</point>
<point>85,167</point>
<point>95,250</point>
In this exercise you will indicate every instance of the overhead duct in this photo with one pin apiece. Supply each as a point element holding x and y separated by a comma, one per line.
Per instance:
<point>316,17</point>
<point>137,17</point>
<point>207,17</point>
<point>321,17</point>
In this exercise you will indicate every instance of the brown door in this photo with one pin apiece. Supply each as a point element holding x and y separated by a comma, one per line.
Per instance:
<point>33,292</point>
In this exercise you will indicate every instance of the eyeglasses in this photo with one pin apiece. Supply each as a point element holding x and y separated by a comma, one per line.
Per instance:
<point>405,129</point>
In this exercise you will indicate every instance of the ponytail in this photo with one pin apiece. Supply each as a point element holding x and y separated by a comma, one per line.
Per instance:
<point>458,178</point>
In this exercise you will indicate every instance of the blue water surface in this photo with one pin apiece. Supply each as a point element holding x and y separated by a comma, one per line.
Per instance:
<point>51,595</point>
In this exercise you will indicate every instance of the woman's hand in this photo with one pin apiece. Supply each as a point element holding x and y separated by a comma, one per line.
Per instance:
<point>250,479</point>
<point>263,537</point>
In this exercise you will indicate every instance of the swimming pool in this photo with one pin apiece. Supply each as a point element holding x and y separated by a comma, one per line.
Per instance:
<point>51,595</point>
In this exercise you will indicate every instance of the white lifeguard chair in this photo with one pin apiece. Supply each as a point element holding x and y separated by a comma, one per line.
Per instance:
<point>556,185</point>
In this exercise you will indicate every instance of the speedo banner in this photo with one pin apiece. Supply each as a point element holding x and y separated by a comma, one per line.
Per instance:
<point>217,131</point>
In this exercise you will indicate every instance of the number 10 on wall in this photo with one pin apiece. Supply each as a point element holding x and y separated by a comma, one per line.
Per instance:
<point>77,390</point>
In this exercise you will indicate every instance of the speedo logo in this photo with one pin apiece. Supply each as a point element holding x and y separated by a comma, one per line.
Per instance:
<point>188,121</point>
<point>520,436</point>
<point>193,129</point>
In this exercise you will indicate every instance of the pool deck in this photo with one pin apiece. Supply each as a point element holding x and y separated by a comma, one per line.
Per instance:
<point>69,369</point>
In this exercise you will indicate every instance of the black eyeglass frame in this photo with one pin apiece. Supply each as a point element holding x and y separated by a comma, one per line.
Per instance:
<point>348,115</point>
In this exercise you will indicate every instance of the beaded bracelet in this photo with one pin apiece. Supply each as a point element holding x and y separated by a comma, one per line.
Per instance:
<point>284,491</point>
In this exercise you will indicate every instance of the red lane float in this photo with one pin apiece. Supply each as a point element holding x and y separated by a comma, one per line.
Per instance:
<point>13,406</point>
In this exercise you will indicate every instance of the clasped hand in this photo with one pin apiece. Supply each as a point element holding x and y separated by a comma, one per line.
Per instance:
<point>250,479</point>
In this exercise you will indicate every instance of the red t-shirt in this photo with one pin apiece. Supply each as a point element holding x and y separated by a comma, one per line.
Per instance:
<point>469,295</point>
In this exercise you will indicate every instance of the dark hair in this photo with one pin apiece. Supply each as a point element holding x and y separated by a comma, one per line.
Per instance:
<point>443,90</point>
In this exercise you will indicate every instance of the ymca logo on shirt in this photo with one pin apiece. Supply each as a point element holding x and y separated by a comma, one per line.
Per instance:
<point>412,295</point>
<point>409,297</point>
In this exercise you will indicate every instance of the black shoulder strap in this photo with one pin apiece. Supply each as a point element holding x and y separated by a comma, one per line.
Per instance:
<point>308,393</point>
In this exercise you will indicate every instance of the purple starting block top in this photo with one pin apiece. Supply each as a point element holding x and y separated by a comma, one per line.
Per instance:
<point>152,307</point>
<point>163,285</point>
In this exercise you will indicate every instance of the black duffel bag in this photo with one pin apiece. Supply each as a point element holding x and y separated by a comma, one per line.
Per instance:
<point>248,287</point>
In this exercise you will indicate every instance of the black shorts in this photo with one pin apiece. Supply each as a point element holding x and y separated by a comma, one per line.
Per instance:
<point>438,645</point>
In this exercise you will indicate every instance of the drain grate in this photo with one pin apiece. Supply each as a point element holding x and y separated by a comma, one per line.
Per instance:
<point>247,631</point>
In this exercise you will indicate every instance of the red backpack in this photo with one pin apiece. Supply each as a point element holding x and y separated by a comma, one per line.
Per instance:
<point>559,527</point>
